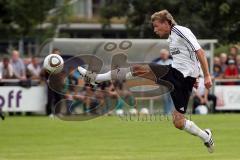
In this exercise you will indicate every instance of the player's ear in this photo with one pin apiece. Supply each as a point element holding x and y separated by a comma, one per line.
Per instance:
<point>167,23</point>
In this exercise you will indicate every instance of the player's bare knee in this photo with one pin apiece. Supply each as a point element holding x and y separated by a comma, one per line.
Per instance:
<point>136,68</point>
<point>139,69</point>
<point>179,124</point>
<point>178,120</point>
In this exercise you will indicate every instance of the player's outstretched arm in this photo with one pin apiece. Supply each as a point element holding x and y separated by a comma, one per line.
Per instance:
<point>204,65</point>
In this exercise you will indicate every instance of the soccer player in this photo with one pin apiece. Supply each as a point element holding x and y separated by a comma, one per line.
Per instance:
<point>186,53</point>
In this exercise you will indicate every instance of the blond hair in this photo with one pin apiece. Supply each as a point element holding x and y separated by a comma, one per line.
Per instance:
<point>162,16</point>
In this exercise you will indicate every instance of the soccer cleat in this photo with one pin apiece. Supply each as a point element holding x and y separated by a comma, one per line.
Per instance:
<point>88,76</point>
<point>209,144</point>
<point>82,71</point>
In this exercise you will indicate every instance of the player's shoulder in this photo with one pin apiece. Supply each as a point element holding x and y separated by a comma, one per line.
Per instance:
<point>181,29</point>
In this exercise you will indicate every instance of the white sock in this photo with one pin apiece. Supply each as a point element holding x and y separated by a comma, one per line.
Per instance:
<point>121,73</point>
<point>99,77</point>
<point>193,129</point>
<point>103,77</point>
<point>114,75</point>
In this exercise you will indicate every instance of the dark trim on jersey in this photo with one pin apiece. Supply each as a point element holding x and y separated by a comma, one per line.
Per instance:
<point>190,52</point>
<point>173,25</point>
<point>178,32</point>
<point>180,35</point>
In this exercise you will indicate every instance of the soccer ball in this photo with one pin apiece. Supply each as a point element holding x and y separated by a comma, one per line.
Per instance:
<point>201,109</point>
<point>133,111</point>
<point>144,111</point>
<point>119,112</point>
<point>53,63</point>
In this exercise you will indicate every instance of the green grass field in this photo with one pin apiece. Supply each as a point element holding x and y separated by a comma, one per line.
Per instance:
<point>108,138</point>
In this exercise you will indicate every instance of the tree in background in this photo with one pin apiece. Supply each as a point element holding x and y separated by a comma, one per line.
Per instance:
<point>19,18</point>
<point>23,19</point>
<point>207,19</point>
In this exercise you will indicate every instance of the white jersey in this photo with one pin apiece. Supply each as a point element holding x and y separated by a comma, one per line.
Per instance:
<point>183,46</point>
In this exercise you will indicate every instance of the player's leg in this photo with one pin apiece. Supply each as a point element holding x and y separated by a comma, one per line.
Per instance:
<point>189,126</point>
<point>138,70</point>
<point>180,96</point>
<point>143,71</point>
<point>213,98</point>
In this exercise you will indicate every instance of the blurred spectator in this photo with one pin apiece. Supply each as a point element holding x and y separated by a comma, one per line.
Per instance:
<point>231,71</point>
<point>216,61</point>
<point>164,58</point>
<point>127,95</point>
<point>234,52</point>
<point>72,81</point>
<point>123,95</point>
<point>238,63</point>
<point>100,95</point>
<point>34,68</point>
<point>167,100</point>
<point>231,57</point>
<point>90,100</point>
<point>113,101</point>
<point>56,51</point>
<point>6,69</point>
<point>57,85</point>
<point>223,61</point>
<point>71,91</point>
<point>217,71</point>
<point>18,66</point>
<point>202,96</point>
<point>27,61</point>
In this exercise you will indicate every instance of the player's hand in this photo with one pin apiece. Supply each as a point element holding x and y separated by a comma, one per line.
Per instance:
<point>208,81</point>
<point>196,84</point>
